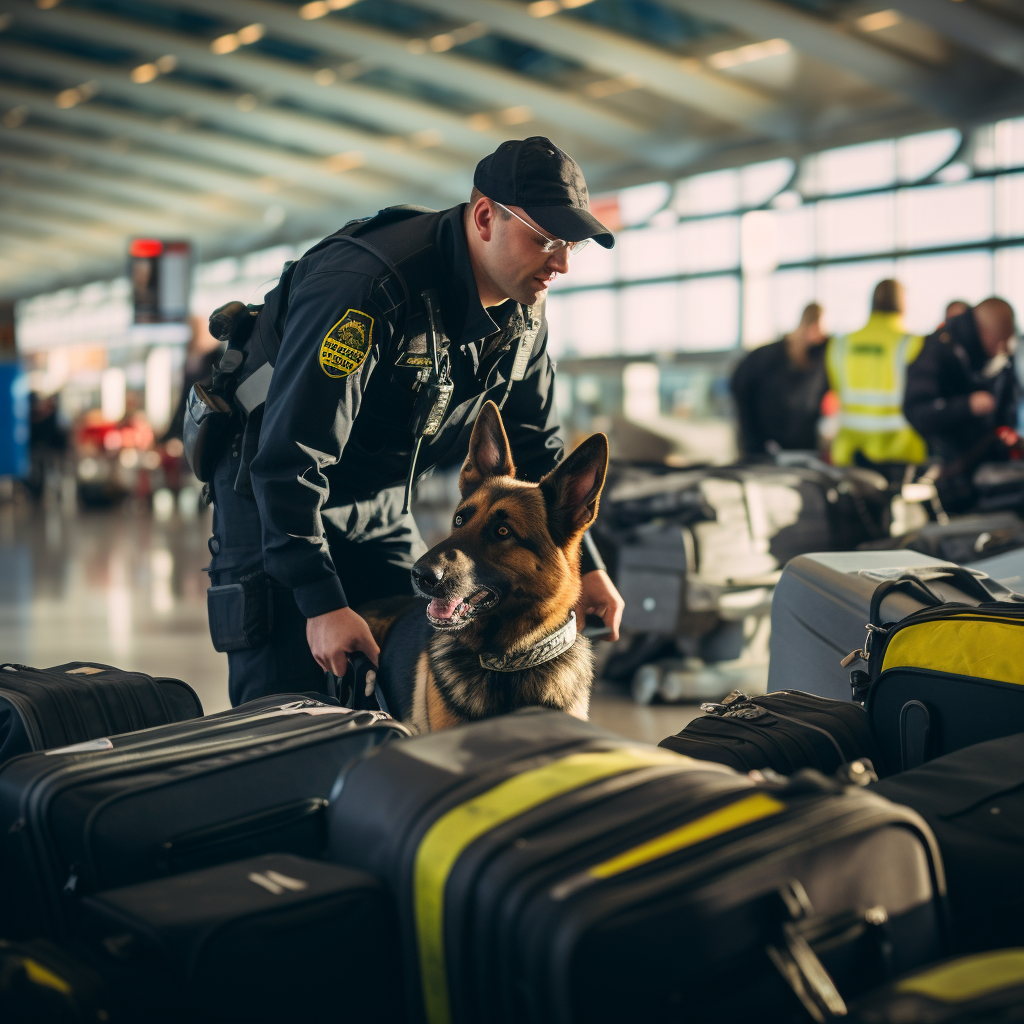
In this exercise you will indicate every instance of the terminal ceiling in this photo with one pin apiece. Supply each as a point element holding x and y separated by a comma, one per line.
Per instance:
<point>242,123</point>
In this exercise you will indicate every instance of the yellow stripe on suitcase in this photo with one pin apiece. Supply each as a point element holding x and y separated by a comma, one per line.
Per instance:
<point>986,647</point>
<point>452,833</point>
<point>969,977</point>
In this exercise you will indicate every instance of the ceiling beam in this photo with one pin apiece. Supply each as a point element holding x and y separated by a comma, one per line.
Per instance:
<point>489,83</point>
<point>147,193</point>
<point>96,239</point>
<point>295,129</point>
<point>970,26</point>
<point>221,188</point>
<point>685,82</point>
<point>815,37</point>
<point>355,189</point>
<point>259,74</point>
<point>136,220</point>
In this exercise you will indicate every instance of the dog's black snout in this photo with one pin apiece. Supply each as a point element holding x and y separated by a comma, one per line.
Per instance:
<point>427,576</point>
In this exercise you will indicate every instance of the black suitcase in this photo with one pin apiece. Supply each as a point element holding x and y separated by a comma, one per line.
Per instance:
<point>987,988</point>
<point>963,539</point>
<point>44,983</point>
<point>546,870</point>
<point>821,606</point>
<point>169,799</point>
<point>42,708</point>
<point>785,731</point>
<point>974,801</point>
<point>268,939</point>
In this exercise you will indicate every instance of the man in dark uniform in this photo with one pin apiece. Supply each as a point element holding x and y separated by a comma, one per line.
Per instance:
<point>962,388</point>
<point>325,529</point>
<point>778,389</point>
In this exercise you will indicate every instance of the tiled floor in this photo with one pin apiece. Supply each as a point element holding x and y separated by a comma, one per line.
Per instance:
<point>125,587</point>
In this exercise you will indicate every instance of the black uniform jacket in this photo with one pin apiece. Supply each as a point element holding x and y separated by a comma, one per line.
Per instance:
<point>336,424</point>
<point>777,401</point>
<point>939,384</point>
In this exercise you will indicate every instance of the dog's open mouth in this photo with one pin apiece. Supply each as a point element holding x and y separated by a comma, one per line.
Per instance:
<point>453,614</point>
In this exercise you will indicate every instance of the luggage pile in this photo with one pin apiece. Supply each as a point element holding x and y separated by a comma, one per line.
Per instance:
<point>293,859</point>
<point>696,554</point>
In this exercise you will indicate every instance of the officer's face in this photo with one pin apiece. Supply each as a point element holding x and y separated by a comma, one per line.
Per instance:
<point>516,260</point>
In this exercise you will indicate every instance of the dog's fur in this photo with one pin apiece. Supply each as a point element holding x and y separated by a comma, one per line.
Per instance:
<point>507,576</point>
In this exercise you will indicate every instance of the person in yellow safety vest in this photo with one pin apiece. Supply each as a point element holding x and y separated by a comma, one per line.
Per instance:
<point>867,370</point>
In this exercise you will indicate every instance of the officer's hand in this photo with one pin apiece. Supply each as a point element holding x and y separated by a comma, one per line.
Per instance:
<point>982,403</point>
<point>335,635</point>
<point>599,597</point>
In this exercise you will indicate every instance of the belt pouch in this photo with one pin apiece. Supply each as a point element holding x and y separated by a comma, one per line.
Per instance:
<point>241,614</point>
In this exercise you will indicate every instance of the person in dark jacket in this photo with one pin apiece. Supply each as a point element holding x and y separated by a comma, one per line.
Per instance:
<point>962,387</point>
<point>324,529</point>
<point>778,389</point>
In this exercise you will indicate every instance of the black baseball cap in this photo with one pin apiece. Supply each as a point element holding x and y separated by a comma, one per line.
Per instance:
<point>535,175</point>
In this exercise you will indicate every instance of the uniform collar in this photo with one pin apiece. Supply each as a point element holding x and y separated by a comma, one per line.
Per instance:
<point>466,320</point>
<point>888,321</point>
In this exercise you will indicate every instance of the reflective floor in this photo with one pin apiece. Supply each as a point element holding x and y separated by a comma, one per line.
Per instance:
<point>125,587</point>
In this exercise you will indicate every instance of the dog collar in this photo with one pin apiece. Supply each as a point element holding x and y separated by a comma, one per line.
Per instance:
<point>545,649</point>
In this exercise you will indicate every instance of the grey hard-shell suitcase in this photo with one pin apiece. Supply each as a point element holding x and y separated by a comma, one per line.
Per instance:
<point>548,871</point>
<point>821,608</point>
<point>261,941</point>
<point>41,708</point>
<point>124,809</point>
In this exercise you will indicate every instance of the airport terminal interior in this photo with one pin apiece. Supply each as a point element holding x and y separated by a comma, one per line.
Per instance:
<point>297,715</point>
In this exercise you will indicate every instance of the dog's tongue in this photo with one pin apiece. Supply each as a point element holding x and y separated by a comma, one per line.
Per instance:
<point>439,609</point>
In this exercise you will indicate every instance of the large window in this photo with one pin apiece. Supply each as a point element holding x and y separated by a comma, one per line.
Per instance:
<point>731,257</point>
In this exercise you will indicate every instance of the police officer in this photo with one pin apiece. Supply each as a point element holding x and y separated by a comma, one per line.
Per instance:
<point>867,371</point>
<point>962,387</point>
<point>446,304</point>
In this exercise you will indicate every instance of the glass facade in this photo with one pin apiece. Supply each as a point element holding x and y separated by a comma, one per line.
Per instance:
<point>731,257</point>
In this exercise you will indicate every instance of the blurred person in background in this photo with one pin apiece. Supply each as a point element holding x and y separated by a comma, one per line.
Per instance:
<point>867,371</point>
<point>779,387</point>
<point>963,387</point>
<point>955,308</point>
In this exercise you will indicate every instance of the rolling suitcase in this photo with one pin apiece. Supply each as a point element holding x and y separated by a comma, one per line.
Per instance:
<point>42,708</point>
<point>259,941</point>
<point>546,870</point>
<point>124,809</point>
<point>963,539</point>
<point>947,676</point>
<point>987,988</point>
<point>973,799</point>
<point>785,731</point>
<point>821,606</point>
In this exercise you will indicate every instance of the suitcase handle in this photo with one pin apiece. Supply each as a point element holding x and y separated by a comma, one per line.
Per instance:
<point>982,588</point>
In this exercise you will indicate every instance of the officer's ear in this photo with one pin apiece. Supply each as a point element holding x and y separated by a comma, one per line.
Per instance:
<point>489,451</point>
<point>572,489</point>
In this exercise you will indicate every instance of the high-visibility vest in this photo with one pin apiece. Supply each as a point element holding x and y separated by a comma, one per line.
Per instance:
<point>868,372</point>
<point>870,378</point>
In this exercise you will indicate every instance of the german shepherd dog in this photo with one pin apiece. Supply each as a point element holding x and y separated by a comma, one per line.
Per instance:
<point>504,580</point>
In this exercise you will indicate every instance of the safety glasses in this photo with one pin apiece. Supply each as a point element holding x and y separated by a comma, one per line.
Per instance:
<point>550,244</point>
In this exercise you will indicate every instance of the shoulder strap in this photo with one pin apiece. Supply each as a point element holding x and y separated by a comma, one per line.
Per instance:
<point>403,256</point>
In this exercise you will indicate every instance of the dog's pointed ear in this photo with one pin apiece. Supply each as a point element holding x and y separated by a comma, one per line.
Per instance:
<point>572,489</point>
<point>489,451</point>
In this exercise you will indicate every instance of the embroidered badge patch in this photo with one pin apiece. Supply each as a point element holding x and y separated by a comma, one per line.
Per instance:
<point>347,344</point>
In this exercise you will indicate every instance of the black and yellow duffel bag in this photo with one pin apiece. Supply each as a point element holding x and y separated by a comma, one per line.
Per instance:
<point>947,676</point>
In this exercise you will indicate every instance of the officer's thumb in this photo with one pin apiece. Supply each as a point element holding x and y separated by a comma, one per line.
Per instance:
<point>369,647</point>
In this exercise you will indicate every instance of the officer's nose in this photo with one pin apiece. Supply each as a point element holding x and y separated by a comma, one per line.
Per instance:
<point>427,576</point>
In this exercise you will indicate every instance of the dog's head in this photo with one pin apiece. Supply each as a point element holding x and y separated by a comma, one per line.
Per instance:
<point>509,571</point>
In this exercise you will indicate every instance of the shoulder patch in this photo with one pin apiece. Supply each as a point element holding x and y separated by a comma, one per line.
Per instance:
<point>347,343</point>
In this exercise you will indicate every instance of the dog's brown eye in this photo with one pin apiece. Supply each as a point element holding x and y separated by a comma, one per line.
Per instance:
<point>502,531</point>
<point>458,520</point>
